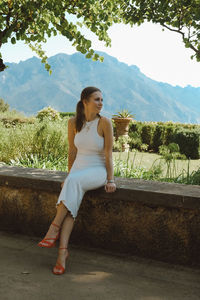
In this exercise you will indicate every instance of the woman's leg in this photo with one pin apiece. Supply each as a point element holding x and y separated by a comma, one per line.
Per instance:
<point>61,213</point>
<point>66,230</point>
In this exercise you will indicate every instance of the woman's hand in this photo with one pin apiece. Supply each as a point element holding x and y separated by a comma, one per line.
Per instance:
<point>110,187</point>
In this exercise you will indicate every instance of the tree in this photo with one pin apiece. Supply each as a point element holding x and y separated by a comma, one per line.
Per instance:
<point>32,21</point>
<point>180,16</point>
<point>3,106</point>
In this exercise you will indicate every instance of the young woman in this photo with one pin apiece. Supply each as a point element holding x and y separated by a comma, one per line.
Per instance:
<point>90,166</point>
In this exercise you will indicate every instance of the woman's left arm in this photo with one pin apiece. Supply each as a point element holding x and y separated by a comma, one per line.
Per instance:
<point>108,147</point>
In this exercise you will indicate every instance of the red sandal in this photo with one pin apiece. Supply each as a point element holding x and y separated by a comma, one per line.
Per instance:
<point>59,267</point>
<point>45,242</point>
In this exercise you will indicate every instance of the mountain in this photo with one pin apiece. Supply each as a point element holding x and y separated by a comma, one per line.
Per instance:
<point>28,87</point>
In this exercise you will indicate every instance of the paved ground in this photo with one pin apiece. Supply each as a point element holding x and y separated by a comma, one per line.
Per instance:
<point>25,273</point>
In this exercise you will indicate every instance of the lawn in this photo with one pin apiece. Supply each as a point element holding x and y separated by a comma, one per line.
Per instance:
<point>147,161</point>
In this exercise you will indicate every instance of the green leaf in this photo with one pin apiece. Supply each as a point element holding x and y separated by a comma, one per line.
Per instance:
<point>35,20</point>
<point>89,55</point>
<point>13,40</point>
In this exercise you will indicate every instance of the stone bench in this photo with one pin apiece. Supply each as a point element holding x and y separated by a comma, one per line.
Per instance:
<point>146,218</point>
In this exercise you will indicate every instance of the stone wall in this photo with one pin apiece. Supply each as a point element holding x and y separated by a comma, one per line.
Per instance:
<point>146,218</point>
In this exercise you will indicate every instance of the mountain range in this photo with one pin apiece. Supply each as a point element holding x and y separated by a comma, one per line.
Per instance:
<point>28,87</point>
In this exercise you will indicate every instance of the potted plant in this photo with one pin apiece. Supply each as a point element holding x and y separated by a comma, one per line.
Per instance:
<point>122,120</point>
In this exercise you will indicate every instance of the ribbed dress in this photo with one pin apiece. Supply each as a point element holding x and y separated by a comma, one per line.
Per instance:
<point>88,171</point>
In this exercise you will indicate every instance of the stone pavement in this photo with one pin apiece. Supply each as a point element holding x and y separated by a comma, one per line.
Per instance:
<point>25,273</point>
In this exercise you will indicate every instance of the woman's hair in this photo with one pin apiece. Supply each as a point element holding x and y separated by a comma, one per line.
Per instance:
<point>80,116</point>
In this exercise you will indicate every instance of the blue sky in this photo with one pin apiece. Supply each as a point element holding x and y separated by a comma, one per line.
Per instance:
<point>160,55</point>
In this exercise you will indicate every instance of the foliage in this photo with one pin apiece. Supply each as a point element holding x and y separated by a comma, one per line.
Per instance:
<point>180,16</point>
<point>14,121</point>
<point>44,145</point>
<point>156,134</point>
<point>3,106</point>
<point>48,113</point>
<point>12,118</point>
<point>135,140</point>
<point>170,153</point>
<point>189,142</point>
<point>34,161</point>
<point>45,140</point>
<point>123,114</point>
<point>147,134</point>
<point>123,168</point>
<point>134,165</point>
<point>67,114</point>
<point>187,178</point>
<point>157,138</point>
<point>121,143</point>
<point>33,21</point>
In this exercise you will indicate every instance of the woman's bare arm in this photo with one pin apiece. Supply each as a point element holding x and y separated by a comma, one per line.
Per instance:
<point>108,147</point>
<point>72,150</point>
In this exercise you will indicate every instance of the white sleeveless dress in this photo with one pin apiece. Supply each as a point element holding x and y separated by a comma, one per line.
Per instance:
<point>88,171</point>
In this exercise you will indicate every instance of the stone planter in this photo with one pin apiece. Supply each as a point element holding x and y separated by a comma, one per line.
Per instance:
<point>122,125</point>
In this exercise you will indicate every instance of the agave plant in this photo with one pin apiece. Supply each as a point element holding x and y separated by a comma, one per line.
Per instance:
<point>123,114</point>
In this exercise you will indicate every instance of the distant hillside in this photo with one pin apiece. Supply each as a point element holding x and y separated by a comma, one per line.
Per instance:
<point>28,87</point>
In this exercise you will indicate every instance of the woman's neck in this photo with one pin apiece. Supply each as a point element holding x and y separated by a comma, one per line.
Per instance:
<point>90,116</point>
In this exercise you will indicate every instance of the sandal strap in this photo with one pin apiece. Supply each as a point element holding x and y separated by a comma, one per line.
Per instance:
<point>46,241</point>
<point>49,239</point>
<point>55,225</point>
<point>62,248</point>
<point>58,266</point>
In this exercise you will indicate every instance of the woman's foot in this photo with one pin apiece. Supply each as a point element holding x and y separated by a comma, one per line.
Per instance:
<point>63,255</point>
<point>51,237</point>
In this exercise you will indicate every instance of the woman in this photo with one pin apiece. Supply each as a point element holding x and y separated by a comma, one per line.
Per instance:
<point>90,166</point>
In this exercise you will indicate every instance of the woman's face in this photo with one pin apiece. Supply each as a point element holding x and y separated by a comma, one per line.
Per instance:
<point>95,102</point>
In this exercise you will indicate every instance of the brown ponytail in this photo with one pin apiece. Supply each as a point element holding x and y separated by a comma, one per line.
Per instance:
<point>80,115</point>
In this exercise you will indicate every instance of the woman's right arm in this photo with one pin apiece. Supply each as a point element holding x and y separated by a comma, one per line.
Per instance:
<point>72,150</point>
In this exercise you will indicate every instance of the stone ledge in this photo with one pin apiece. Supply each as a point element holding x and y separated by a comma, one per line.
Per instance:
<point>150,193</point>
<point>145,218</point>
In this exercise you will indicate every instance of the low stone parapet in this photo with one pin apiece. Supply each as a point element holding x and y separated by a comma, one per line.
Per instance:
<point>147,218</point>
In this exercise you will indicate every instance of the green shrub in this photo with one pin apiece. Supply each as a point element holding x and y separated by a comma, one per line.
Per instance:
<point>67,114</point>
<point>46,140</point>
<point>49,140</point>
<point>34,161</point>
<point>12,118</point>
<point>189,142</point>
<point>156,134</point>
<point>14,121</point>
<point>147,134</point>
<point>157,138</point>
<point>48,113</point>
<point>168,134</point>
<point>135,140</point>
<point>3,106</point>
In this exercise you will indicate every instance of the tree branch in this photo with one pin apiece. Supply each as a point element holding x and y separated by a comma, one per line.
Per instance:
<point>8,17</point>
<point>183,36</point>
<point>175,30</point>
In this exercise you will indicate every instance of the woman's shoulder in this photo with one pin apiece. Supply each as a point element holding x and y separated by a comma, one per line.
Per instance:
<point>72,121</point>
<point>105,121</point>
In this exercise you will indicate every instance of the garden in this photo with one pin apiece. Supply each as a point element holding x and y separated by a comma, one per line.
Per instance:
<point>158,151</point>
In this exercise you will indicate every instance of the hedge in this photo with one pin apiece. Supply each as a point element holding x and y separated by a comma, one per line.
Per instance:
<point>155,134</point>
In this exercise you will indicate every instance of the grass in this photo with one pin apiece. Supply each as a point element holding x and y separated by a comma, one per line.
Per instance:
<point>151,166</point>
<point>44,145</point>
<point>146,160</point>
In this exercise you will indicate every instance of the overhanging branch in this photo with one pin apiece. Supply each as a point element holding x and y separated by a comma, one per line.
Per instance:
<point>183,36</point>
